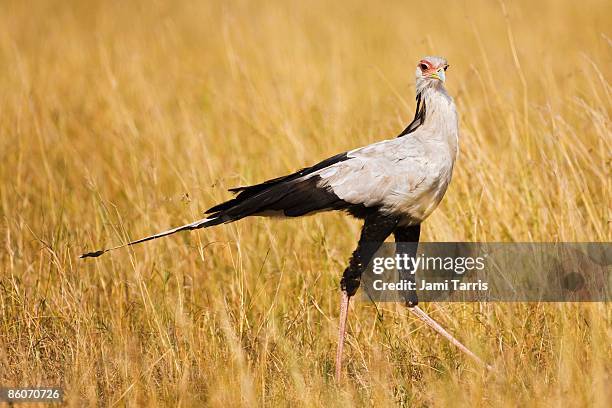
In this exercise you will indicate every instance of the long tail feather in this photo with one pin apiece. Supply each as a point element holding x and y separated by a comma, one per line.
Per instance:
<point>205,222</point>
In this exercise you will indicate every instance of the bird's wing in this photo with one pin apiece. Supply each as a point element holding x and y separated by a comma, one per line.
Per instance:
<point>372,176</point>
<point>292,195</point>
<point>378,175</point>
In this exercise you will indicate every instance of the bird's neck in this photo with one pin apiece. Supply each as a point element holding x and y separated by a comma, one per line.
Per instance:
<point>438,105</point>
<point>440,117</point>
<point>434,104</point>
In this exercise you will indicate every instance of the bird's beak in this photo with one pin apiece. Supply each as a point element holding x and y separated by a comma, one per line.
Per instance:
<point>439,74</point>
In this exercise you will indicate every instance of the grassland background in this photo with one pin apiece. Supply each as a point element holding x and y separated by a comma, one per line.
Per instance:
<point>118,119</point>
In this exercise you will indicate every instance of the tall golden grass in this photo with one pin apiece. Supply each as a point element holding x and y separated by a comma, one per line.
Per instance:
<point>119,119</point>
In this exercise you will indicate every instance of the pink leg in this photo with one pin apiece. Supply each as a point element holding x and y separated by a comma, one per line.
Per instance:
<point>436,326</point>
<point>344,305</point>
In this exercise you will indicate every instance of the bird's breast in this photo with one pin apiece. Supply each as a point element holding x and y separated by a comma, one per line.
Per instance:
<point>420,191</point>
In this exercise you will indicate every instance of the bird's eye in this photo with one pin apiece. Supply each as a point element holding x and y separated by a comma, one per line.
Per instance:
<point>446,67</point>
<point>423,67</point>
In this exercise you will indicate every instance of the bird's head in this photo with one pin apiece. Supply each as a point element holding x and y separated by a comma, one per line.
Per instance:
<point>431,71</point>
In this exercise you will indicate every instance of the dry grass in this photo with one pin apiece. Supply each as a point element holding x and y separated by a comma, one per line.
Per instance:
<point>122,118</point>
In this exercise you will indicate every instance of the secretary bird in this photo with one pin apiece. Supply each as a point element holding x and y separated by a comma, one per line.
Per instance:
<point>393,185</point>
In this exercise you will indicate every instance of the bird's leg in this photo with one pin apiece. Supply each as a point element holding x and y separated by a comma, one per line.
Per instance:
<point>344,305</point>
<point>407,242</point>
<point>417,311</point>
<point>376,229</point>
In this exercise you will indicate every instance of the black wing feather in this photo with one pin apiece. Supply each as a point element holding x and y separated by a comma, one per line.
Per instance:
<point>292,195</point>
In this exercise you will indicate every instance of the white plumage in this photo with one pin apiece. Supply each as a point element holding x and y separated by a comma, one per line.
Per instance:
<point>405,176</point>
